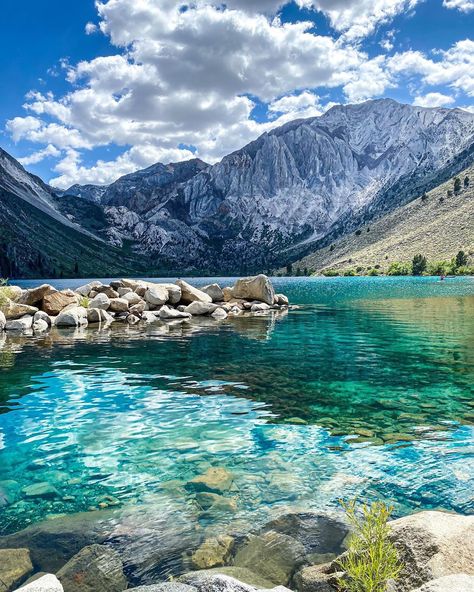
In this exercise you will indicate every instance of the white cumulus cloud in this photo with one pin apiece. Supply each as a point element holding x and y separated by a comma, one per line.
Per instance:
<point>462,5</point>
<point>433,99</point>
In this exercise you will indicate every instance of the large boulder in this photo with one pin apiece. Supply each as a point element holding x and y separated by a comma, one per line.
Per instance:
<point>190,294</point>
<point>454,583</point>
<point>101,301</point>
<point>95,568</point>
<point>432,545</point>
<point>200,308</point>
<point>316,578</point>
<point>156,295</point>
<point>118,305</point>
<point>86,289</point>
<point>22,324</point>
<point>55,302</point>
<point>218,580</point>
<point>319,533</point>
<point>3,321</point>
<point>214,291</point>
<point>213,552</point>
<point>14,310</point>
<point>53,542</point>
<point>15,567</point>
<point>42,316</point>
<point>44,583</point>
<point>272,555</point>
<point>132,298</point>
<point>74,316</point>
<point>254,288</point>
<point>164,587</point>
<point>98,315</point>
<point>34,296</point>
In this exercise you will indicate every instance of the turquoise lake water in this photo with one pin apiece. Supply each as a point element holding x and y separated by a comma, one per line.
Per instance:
<point>366,390</point>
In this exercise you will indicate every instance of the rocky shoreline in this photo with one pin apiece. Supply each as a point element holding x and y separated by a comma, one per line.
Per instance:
<point>296,551</point>
<point>36,310</point>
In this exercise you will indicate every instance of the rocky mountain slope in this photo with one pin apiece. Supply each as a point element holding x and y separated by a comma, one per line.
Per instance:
<point>293,190</point>
<point>435,225</point>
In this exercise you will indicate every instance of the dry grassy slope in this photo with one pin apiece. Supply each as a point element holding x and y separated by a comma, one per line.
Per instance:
<point>436,229</point>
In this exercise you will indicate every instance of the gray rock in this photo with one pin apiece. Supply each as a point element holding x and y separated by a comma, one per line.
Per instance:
<point>316,578</point>
<point>55,302</point>
<point>254,288</point>
<point>95,568</point>
<point>72,317</point>
<point>214,291</point>
<point>40,315</point>
<point>214,480</point>
<point>15,567</point>
<point>40,326</point>
<point>452,583</point>
<point>108,291</point>
<point>132,298</point>
<point>282,300</point>
<point>87,288</point>
<point>214,581</point>
<point>432,545</point>
<point>133,319</point>
<point>118,305</point>
<point>14,310</point>
<point>213,552</point>
<point>22,324</point>
<point>166,313</point>
<point>101,301</point>
<point>318,533</point>
<point>123,291</point>
<point>174,293</point>
<point>200,308</point>
<point>157,295</point>
<point>219,314</point>
<point>190,294</point>
<point>98,315</point>
<point>3,321</point>
<point>45,583</point>
<point>273,555</point>
<point>42,490</point>
<point>262,307</point>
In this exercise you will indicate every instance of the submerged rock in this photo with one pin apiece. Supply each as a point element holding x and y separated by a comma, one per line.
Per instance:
<point>95,568</point>
<point>15,567</point>
<point>432,545</point>
<point>272,555</point>
<point>214,480</point>
<point>42,490</point>
<point>213,552</point>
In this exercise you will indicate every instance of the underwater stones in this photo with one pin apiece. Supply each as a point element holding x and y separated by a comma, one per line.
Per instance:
<point>213,552</point>
<point>118,305</point>
<point>43,583</point>
<point>101,301</point>
<point>157,295</point>
<point>273,555</point>
<point>453,583</point>
<point>214,291</point>
<point>318,533</point>
<point>9,491</point>
<point>393,438</point>
<point>214,480</point>
<point>432,545</point>
<point>22,324</point>
<point>166,313</point>
<point>53,542</point>
<point>42,490</point>
<point>254,288</point>
<point>206,500</point>
<point>190,294</point>
<point>34,296</point>
<point>95,568</point>
<point>200,308</point>
<point>15,567</point>
<point>55,302</point>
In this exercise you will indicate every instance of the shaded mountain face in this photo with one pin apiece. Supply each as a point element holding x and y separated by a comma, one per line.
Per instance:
<point>275,199</point>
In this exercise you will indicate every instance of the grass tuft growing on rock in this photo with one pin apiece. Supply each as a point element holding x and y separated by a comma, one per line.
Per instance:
<point>371,559</point>
<point>5,292</point>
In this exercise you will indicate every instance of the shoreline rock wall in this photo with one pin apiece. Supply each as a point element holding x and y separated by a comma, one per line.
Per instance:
<point>36,310</point>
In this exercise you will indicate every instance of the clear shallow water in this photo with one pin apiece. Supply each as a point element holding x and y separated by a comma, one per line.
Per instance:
<point>366,390</point>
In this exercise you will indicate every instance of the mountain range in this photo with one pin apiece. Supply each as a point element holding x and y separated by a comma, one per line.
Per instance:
<point>294,190</point>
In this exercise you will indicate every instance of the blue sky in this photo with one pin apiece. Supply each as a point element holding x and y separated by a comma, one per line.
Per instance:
<point>95,91</point>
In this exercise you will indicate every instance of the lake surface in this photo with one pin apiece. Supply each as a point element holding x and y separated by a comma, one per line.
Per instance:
<point>366,390</point>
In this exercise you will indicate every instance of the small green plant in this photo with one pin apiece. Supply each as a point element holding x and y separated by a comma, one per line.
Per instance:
<point>330,272</point>
<point>371,559</point>
<point>373,272</point>
<point>6,293</point>
<point>399,268</point>
<point>84,302</point>
<point>349,273</point>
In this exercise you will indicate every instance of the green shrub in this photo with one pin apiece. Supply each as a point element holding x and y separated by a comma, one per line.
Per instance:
<point>465,270</point>
<point>349,273</point>
<point>461,259</point>
<point>330,272</point>
<point>399,268</point>
<point>419,264</point>
<point>457,185</point>
<point>6,293</point>
<point>439,268</point>
<point>371,559</point>
<point>373,272</point>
